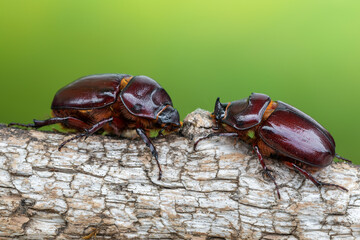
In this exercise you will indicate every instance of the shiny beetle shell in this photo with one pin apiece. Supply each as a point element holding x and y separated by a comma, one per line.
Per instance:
<point>142,96</point>
<point>275,128</point>
<point>294,134</point>
<point>113,103</point>
<point>287,130</point>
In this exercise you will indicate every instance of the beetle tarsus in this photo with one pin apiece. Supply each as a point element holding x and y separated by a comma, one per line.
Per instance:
<point>267,172</point>
<point>70,139</point>
<point>313,179</point>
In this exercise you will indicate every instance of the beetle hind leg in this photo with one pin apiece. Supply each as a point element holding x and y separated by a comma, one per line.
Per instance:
<point>70,122</point>
<point>312,178</point>
<point>32,125</point>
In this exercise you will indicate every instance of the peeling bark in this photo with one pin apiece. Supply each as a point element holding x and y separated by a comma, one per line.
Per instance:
<point>109,186</point>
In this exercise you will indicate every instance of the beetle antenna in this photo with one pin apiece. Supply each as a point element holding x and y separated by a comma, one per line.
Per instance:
<point>341,158</point>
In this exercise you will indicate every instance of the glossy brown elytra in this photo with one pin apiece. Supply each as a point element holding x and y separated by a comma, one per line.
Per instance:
<point>276,129</point>
<point>113,103</point>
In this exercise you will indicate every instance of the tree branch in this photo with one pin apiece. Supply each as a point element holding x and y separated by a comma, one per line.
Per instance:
<point>109,186</point>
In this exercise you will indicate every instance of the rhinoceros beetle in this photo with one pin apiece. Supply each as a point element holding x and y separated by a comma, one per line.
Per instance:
<point>113,103</point>
<point>276,129</point>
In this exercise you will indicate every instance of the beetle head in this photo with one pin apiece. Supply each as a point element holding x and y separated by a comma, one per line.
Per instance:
<point>169,118</point>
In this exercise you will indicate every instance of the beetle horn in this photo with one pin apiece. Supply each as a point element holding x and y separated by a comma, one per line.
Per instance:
<point>219,110</point>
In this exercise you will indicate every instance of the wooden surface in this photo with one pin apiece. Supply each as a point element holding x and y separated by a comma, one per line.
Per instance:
<point>109,185</point>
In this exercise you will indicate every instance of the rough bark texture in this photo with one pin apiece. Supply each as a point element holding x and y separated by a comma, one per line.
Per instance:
<point>110,184</point>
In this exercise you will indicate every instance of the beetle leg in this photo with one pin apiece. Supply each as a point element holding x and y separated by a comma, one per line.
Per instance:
<point>344,159</point>
<point>149,143</point>
<point>226,134</point>
<point>87,132</point>
<point>160,133</point>
<point>97,127</point>
<point>67,121</point>
<point>311,178</point>
<point>217,125</point>
<point>266,170</point>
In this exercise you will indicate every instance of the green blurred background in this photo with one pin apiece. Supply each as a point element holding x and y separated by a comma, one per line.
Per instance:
<point>305,53</point>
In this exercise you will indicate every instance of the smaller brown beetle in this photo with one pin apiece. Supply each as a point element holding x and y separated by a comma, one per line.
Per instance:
<point>113,103</point>
<point>276,129</point>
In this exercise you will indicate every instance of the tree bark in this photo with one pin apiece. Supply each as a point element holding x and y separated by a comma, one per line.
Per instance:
<point>108,187</point>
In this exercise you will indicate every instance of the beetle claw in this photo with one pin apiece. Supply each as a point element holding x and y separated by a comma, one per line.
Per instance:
<point>149,143</point>
<point>86,134</point>
<point>321,184</point>
<point>313,179</point>
<point>160,175</point>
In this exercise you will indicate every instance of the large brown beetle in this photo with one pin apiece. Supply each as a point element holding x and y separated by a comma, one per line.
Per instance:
<point>113,103</point>
<point>276,129</point>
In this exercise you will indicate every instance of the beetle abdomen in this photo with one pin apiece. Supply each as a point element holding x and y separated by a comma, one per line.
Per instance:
<point>94,91</point>
<point>296,135</point>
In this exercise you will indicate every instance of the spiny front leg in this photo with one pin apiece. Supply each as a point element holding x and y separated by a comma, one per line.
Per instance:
<point>149,143</point>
